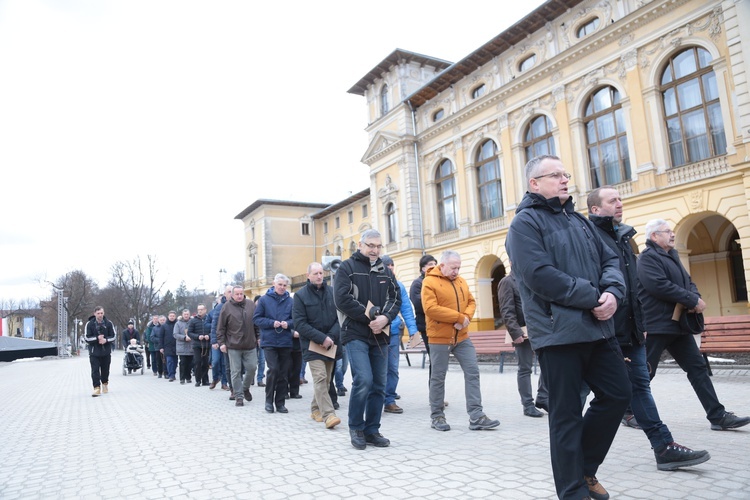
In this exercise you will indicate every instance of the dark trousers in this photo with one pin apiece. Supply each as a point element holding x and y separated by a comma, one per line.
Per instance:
<point>157,362</point>
<point>278,361</point>
<point>295,369</point>
<point>148,359</point>
<point>100,369</point>
<point>186,367</point>
<point>685,351</point>
<point>579,444</point>
<point>200,363</point>
<point>333,393</point>
<point>427,348</point>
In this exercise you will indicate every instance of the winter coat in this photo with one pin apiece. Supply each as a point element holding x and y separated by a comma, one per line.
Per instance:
<point>198,326</point>
<point>664,282</point>
<point>273,307</point>
<point>147,335</point>
<point>415,294</point>
<point>511,309</point>
<point>629,315</point>
<point>183,347</point>
<point>446,302</point>
<point>165,338</point>
<point>315,319</point>
<point>93,330</point>
<point>234,327</point>
<point>562,267</point>
<point>127,335</point>
<point>214,315</point>
<point>356,283</point>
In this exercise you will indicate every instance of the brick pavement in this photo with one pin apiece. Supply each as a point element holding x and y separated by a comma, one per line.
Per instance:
<point>152,439</point>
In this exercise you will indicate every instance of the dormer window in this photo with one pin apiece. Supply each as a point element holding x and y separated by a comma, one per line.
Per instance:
<point>588,27</point>
<point>527,63</point>
<point>478,91</point>
<point>438,115</point>
<point>385,102</point>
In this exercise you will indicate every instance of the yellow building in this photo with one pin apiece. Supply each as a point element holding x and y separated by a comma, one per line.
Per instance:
<point>650,96</point>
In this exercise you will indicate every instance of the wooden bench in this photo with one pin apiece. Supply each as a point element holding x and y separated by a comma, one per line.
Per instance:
<point>725,334</point>
<point>417,349</point>
<point>493,342</point>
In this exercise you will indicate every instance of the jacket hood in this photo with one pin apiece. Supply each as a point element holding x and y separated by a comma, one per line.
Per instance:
<point>535,200</point>
<point>607,224</point>
<point>435,271</point>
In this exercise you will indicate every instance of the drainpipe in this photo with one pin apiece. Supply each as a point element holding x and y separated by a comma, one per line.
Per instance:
<point>416,163</point>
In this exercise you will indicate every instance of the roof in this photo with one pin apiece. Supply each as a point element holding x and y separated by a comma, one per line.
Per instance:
<point>259,203</point>
<point>394,57</point>
<point>365,193</point>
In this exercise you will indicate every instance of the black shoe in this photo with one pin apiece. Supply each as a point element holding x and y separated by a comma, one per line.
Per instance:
<point>247,395</point>
<point>341,391</point>
<point>336,406</point>
<point>358,439</point>
<point>197,384</point>
<point>674,456</point>
<point>542,405</point>
<point>189,381</point>
<point>282,409</point>
<point>730,421</point>
<point>231,396</point>
<point>397,396</point>
<point>377,440</point>
<point>630,421</point>
<point>296,396</point>
<point>533,412</point>
<point>269,407</point>
<point>182,382</point>
<point>287,396</point>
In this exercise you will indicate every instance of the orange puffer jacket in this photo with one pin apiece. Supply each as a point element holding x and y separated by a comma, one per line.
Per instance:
<point>445,303</point>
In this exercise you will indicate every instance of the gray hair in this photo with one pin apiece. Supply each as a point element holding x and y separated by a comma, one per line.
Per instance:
<point>370,233</point>
<point>238,286</point>
<point>448,255</point>
<point>280,277</point>
<point>653,225</point>
<point>533,166</point>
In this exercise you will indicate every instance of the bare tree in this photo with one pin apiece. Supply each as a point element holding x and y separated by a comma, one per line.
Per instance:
<point>139,292</point>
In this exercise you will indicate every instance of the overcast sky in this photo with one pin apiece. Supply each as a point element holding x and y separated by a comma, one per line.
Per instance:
<point>138,127</point>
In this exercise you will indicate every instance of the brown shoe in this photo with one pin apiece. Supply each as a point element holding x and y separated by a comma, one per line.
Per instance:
<point>247,395</point>
<point>596,490</point>
<point>231,395</point>
<point>302,381</point>
<point>316,416</point>
<point>224,387</point>
<point>393,408</point>
<point>97,391</point>
<point>239,402</point>
<point>261,384</point>
<point>105,388</point>
<point>332,421</point>
<point>213,384</point>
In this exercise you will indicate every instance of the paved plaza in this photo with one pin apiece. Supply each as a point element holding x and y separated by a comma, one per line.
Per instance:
<point>149,438</point>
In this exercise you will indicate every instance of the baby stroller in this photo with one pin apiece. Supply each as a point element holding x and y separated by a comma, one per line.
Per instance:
<point>132,361</point>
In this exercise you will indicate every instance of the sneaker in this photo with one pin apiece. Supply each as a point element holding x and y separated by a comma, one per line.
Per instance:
<point>483,423</point>
<point>377,440</point>
<point>316,416</point>
<point>674,456</point>
<point>393,408</point>
<point>439,424</point>
<point>596,490</point>
<point>105,388</point>
<point>358,439</point>
<point>332,421</point>
<point>341,391</point>
<point>247,395</point>
<point>730,421</point>
<point>97,392</point>
<point>630,421</point>
<point>533,412</point>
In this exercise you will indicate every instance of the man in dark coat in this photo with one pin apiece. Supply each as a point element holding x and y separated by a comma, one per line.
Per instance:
<point>235,334</point>
<point>200,331</point>
<point>316,321</point>
<point>130,333</point>
<point>665,290</point>
<point>100,337</point>
<point>168,345</point>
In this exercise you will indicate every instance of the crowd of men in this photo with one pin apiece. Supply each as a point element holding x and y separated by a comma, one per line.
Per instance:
<point>596,316</point>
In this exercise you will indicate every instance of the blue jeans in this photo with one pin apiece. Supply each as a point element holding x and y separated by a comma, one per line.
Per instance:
<point>341,365</point>
<point>218,370</point>
<point>642,402</point>
<point>261,365</point>
<point>171,366</point>
<point>393,359</point>
<point>369,373</point>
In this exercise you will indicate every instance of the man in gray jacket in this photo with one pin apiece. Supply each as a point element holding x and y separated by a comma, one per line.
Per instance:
<point>570,284</point>
<point>235,334</point>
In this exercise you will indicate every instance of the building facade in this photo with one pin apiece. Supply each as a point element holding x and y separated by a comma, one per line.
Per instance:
<point>650,96</point>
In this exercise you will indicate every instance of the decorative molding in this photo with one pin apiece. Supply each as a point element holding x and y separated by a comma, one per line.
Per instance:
<point>389,188</point>
<point>697,171</point>
<point>695,200</point>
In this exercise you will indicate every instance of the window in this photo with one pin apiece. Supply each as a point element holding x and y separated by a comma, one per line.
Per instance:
<point>527,63</point>
<point>305,229</point>
<point>737,268</point>
<point>325,227</point>
<point>364,211</point>
<point>438,115</point>
<point>588,27</point>
<point>350,216</point>
<point>446,196</point>
<point>337,222</point>
<point>695,127</point>
<point>478,91</point>
<point>385,102</point>
<point>390,222</point>
<point>607,142</point>
<point>488,174</point>
<point>538,138</point>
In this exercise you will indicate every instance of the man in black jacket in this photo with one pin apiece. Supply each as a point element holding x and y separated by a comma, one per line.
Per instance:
<point>665,289</point>
<point>200,332</point>
<point>570,283</point>
<point>426,263</point>
<point>367,295</point>
<point>100,337</point>
<point>605,211</point>
<point>316,321</point>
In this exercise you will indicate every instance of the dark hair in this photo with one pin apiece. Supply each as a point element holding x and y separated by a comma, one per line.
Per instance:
<point>426,259</point>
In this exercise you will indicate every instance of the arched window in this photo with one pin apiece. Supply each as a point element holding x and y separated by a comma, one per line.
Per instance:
<point>737,268</point>
<point>390,222</point>
<point>607,142</point>
<point>538,138</point>
<point>478,91</point>
<point>446,196</point>
<point>385,101</point>
<point>527,63</point>
<point>437,115</point>
<point>588,27</point>
<point>488,176</point>
<point>691,107</point>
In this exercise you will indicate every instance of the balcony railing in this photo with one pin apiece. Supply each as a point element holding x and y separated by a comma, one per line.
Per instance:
<point>697,171</point>
<point>490,225</point>
<point>446,237</point>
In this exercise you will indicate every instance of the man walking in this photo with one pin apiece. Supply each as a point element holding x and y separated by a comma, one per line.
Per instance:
<point>200,331</point>
<point>448,307</point>
<point>149,343</point>
<point>130,333</point>
<point>570,283</point>
<point>100,337</point>
<point>236,337</point>
<point>605,211</point>
<point>366,293</point>
<point>219,360</point>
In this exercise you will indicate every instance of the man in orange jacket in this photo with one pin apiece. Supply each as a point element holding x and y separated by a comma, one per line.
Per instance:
<point>448,307</point>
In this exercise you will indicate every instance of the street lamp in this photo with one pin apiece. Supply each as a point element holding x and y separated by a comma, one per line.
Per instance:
<point>222,272</point>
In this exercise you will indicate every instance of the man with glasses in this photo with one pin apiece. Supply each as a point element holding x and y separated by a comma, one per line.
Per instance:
<point>666,287</point>
<point>570,284</point>
<point>366,294</point>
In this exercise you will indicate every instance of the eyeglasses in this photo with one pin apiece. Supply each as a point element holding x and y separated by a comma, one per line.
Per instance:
<point>373,246</point>
<point>555,175</point>
<point>668,231</point>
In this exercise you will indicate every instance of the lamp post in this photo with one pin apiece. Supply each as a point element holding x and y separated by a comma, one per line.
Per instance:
<point>222,272</point>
